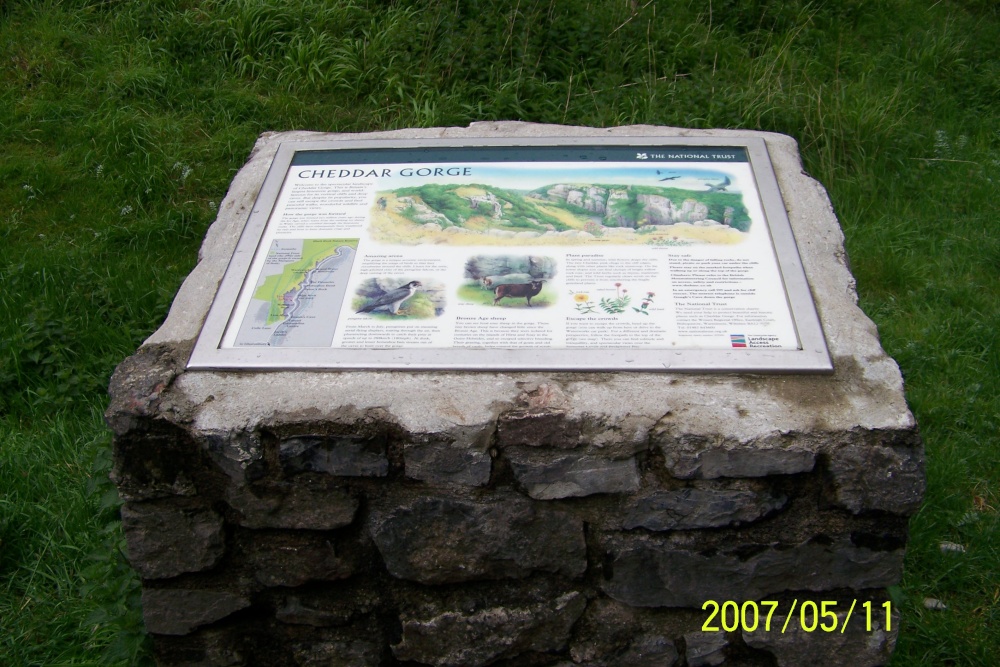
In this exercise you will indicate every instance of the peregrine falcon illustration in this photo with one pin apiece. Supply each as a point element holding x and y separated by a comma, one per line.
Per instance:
<point>719,187</point>
<point>393,299</point>
<point>668,178</point>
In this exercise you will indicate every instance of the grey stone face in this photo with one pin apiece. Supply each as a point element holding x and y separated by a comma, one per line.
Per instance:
<point>652,573</point>
<point>156,464</point>
<point>611,633</point>
<point>355,652</point>
<point>446,463</point>
<point>878,477</point>
<point>330,606</point>
<point>855,646</point>
<point>293,558</point>
<point>460,639</point>
<point>445,540</point>
<point>292,506</point>
<point>205,647</point>
<point>706,649</point>
<point>179,611</point>
<point>650,651</point>
<point>715,462</point>
<point>341,456</point>
<point>687,509</point>
<point>572,474</point>
<point>238,455</point>
<point>139,382</point>
<point>294,612</point>
<point>535,428</point>
<point>164,540</point>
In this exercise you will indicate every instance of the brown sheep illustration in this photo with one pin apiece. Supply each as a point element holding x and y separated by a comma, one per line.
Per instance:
<point>526,290</point>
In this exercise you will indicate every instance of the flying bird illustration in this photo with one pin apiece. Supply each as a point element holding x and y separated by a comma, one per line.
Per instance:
<point>668,178</point>
<point>719,187</point>
<point>393,299</point>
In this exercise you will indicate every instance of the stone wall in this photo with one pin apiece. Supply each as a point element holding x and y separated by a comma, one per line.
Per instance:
<point>466,519</point>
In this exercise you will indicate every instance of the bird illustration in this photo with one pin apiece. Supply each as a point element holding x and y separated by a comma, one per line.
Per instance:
<point>719,187</point>
<point>393,299</point>
<point>668,178</point>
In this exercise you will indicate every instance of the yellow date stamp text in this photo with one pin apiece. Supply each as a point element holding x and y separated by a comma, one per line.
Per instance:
<point>809,616</point>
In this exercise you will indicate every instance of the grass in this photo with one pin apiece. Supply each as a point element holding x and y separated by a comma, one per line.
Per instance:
<point>66,591</point>
<point>123,121</point>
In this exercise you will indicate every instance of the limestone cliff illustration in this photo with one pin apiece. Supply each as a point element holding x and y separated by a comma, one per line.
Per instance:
<point>558,214</point>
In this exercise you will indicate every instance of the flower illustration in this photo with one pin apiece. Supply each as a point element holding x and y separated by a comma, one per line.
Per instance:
<point>583,304</point>
<point>618,304</point>
<point>645,303</point>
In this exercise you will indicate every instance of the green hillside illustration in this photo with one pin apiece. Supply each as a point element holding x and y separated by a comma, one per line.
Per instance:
<point>559,213</point>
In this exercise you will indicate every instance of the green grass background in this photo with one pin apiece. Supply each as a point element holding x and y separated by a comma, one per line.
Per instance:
<point>123,121</point>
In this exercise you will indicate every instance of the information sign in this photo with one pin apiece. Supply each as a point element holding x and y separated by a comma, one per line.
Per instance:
<point>614,254</point>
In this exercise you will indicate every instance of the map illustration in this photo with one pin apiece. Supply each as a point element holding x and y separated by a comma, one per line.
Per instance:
<point>299,293</point>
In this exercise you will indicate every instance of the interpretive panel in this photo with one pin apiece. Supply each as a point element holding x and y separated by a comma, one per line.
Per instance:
<point>669,254</point>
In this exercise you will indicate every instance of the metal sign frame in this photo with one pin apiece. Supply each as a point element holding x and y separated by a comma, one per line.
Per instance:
<point>811,357</point>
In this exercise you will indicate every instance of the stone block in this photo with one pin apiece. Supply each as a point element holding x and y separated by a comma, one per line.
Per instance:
<point>157,462</point>
<point>294,612</point>
<point>207,647</point>
<point>340,604</point>
<point>356,652</point>
<point>334,455</point>
<point>547,477</point>
<point>855,646</point>
<point>705,649</point>
<point>887,477</point>
<point>457,638</point>
<point>238,455</point>
<point>711,458</point>
<point>650,651</point>
<point>611,633</point>
<point>607,628</point>
<point>447,465</point>
<point>179,611</point>
<point>688,509</point>
<point>139,382</point>
<point>537,428</point>
<point>164,539</point>
<point>436,540</point>
<point>292,506</point>
<point>648,572</point>
<point>294,558</point>
<point>449,460</point>
<point>360,644</point>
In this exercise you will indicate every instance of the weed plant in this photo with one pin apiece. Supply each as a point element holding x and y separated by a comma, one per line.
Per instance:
<point>123,121</point>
